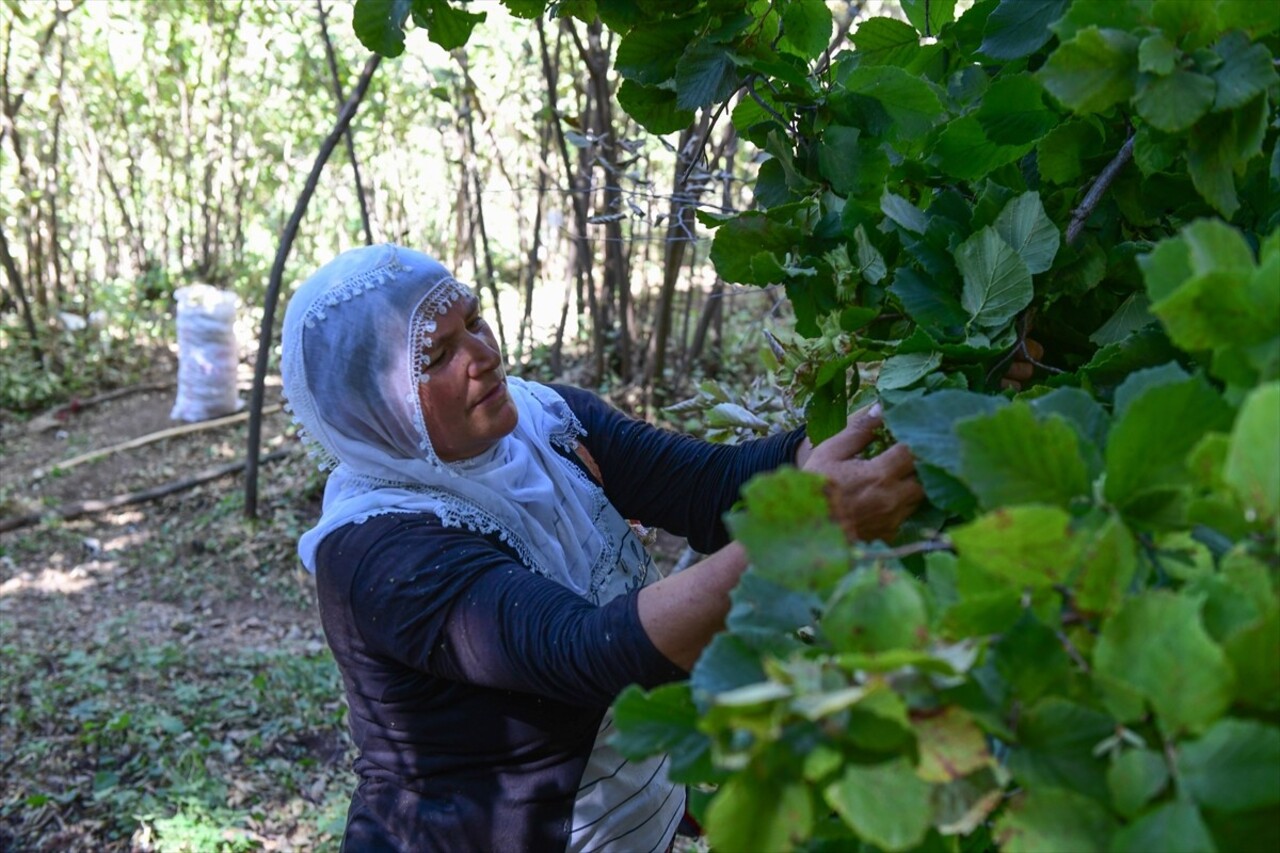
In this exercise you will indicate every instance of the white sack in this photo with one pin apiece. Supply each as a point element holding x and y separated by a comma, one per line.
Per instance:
<point>207,354</point>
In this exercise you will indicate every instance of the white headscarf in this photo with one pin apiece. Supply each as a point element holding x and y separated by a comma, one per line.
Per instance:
<point>352,340</point>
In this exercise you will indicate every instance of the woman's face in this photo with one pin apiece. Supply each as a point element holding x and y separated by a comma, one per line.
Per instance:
<point>465,403</point>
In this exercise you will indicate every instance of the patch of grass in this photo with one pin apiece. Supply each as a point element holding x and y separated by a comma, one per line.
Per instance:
<point>163,748</point>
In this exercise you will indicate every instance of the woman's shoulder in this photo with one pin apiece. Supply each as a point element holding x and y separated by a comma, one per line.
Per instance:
<point>397,539</point>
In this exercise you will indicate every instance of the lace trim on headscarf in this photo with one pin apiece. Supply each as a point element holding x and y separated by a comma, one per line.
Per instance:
<point>354,286</point>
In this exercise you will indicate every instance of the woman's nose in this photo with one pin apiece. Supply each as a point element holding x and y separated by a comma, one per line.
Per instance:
<point>484,357</point>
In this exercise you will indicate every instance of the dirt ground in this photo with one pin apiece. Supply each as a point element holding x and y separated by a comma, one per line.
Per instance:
<point>185,569</point>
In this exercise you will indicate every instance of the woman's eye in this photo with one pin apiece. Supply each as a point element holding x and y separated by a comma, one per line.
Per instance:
<point>475,323</point>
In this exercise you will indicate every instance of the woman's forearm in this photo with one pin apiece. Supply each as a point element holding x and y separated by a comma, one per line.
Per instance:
<point>682,612</point>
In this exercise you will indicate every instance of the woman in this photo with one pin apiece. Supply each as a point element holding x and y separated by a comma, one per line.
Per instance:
<point>480,589</point>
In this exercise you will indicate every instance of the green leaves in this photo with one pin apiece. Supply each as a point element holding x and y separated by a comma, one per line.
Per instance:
<point>1253,461</point>
<point>705,75</point>
<point>1093,71</point>
<point>887,804</point>
<point>1011,457</point>
<point>786,531</point>
<point>806,27</point>
<point>1157,645</point>
<point>1025,227</point>
<point>997,283</point>
<point>1175,102</point>
<point>379,24</point>
<point>1233,767</point>
<point>1016,29</point>
<point>1024,545</point>
<point>1148,444</point>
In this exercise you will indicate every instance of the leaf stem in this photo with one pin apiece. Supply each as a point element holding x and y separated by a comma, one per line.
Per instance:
<point>924,546</point>
<point>1100,186</point>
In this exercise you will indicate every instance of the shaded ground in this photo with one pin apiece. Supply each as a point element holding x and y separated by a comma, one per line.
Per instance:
<point>164,683</point>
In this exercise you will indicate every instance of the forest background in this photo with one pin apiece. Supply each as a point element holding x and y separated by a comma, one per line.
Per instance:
<point>1072,647</point>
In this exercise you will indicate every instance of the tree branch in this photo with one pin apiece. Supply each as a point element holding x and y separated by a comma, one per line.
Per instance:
<point>1100,186</point>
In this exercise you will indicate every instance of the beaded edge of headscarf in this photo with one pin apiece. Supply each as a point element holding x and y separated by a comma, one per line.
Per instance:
<point>437,300</point>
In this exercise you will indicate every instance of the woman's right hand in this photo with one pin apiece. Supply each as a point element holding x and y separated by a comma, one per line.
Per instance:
<point>870,498</point>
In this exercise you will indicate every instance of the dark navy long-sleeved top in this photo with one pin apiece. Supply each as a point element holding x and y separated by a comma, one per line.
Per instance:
<point>476,687</point>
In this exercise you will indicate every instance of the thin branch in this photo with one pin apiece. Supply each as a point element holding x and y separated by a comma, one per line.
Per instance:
<point>1105,178</point>
<point>149,438</point>
<point>924,546</point>
<point>76,509</point>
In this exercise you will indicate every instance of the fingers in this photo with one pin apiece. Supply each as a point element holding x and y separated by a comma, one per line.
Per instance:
<point>857,434</point>
<point>895,462</point>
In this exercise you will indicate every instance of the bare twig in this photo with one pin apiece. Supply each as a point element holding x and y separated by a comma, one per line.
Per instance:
<point>150,438</point>
<point>1100,186</point>
<point>57,415</point>
<point>79,508</point>
<point>924,546</point>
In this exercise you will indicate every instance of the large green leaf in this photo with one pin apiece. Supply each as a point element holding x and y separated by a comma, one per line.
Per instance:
<point>926,300</point>
<point>741,238</point>
<point>909,101</point>
<point>663,720</point>
<point>1157,55</point>
<point>851,165</point>
<point>655,109</point>
<point>379,24</point>
<point>926,424</point>
<point>1055,749</point>
<point>1053,820</point>
<point>649,52</point>
<point>705,74</point>
<point>786,530</point>
<point>997,283</point>
<point>1253,461</point>
<point>1134,777</point>
<point>879,611</point>
<point>1027,229</point>
<point>1093,71</point>
<point>1175,102</point>
<point>806,26</point>
<point>903,371</point>
<point>964,151</point>
<point>1149,442</point>
<point>885,41</point>
<point>1030,658</point>
<point>1234,767</point>
<point>1176,825</point>
<point>1157,645</point>
<point>759,810</point>
<point>1017,28</point>
<point>766,615</point>
<point>1252,652</point>
<point>446,26</point>
<point>1013,111</point>
<point>1212,156</point>
<point>1011,457</point>
<point>1026,545</point>
<point>886,804</point>
<point>1246,72</point>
